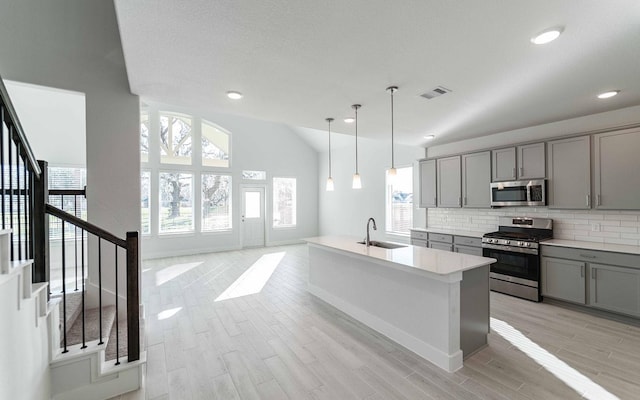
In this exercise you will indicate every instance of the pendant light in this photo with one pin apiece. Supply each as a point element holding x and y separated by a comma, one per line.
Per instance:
<point>392,171</point>
<point>329,179</point>
<point>357,183</point>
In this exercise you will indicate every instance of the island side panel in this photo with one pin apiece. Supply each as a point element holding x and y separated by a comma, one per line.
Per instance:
<point>420,313</point>
<point>474,310</point>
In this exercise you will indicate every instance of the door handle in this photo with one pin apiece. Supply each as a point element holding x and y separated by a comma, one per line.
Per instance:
<point>514,172</point>
<point>588,256</point>
<point>598,200</point>
<point>465,200</point>
<point>435,201</point>
<point>582,271</point>
<point>593,274</point>
<point>459,201</point>
<point>588,202</point>
<point>521,171</point>
<point>242,218</point>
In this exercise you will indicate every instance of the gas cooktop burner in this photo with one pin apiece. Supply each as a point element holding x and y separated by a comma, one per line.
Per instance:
<point>512,236</point>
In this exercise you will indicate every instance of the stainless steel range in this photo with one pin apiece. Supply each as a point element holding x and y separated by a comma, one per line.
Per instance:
<point>515,246</point>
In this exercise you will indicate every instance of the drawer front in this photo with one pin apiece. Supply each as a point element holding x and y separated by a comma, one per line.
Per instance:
<point>592,256</point>
<point>440,246</point>
<point>419,243</point>
<point>467,241</point>
<point>474,251</point>
<point>438,237</point>
<point>419,235</point>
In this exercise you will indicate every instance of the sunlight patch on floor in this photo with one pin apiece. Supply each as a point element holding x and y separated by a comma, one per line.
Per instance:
<point>166,314</point>
<point>253,280</point>
<point>165,275</point>
<point>569,375</point>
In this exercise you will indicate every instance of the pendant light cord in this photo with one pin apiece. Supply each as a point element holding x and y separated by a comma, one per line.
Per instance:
<point>392,161</point>
<point>355,107</point>
<point>329,121</point>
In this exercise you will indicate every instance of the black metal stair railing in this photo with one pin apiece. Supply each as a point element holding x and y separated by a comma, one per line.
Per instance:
<point>130,246</point>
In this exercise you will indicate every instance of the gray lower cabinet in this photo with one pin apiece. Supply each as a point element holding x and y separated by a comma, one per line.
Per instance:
<point>616,166</point>
<point>563,279</point>
<point>440,241</point>
<point>419,242</point>
<point>569,167</point>
<point>448,182</point>
<point>599,279</point>
<point>474,251</point>
<point>428,183</point>
<point>615,288</point>
<point>476,177</point>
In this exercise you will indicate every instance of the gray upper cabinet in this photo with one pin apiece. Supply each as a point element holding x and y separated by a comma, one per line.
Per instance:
<point>531,161</point>
<point>569,167</point>
<point>617,162</point>
<point>615,288</point>
<point>563,279</point>
<point>476,177</point>
<point>503,166</point>
<point>448,182</point>
<point>428,183</point>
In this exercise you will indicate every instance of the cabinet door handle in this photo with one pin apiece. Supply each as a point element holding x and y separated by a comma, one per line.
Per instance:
<point>598,200</point>
<point>582,271</point>
<point>435,201</point>
<point>593,273</point>
<point>521,171</point>
<point>588,256</point>
<point>588,200</point>
<point>514,173</point>
<point>459,201</point>
<point>465,200</point>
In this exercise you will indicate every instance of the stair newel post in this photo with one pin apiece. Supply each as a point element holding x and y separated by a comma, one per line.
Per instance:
<point>41,225</point>
<point>133,297</point>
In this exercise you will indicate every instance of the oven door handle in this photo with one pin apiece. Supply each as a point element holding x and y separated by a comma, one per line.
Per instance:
<point>509,249</point>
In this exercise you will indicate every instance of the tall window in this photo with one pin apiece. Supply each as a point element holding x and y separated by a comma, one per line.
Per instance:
<point>216,202</point>
<point>66,178</point>
<point>145,199</point>
<point>284,202</point>
<point>175,139</point>
<point>144,136</point>
<point>176,202</point>
<point>215,145</point>
<point>399,204</point>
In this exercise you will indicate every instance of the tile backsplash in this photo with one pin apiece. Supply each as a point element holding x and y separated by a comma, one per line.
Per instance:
<point>618,227</point>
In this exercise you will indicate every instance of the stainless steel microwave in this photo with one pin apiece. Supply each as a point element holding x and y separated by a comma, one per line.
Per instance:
<point>519,193</point>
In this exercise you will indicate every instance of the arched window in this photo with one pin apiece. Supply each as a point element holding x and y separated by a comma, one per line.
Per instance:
<point>215,145</point>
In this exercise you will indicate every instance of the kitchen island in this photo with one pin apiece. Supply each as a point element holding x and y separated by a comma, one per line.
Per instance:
<point>433,302</point>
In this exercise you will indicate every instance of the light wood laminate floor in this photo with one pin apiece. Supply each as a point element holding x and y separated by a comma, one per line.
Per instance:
<point>282,343</point>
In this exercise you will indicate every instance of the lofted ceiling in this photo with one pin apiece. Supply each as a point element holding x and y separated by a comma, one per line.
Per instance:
<point>298,62</point>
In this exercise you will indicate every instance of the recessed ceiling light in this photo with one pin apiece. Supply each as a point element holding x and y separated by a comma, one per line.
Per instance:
<point>546,36</point>
<point>349,120</point>
<point>234,95</point>
<point>430,137</point>
<point>606,95</point>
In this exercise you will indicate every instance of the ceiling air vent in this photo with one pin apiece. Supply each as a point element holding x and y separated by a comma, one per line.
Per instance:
<point>435,92</point>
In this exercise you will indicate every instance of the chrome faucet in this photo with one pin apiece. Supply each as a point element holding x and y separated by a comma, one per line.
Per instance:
<point>375,228</point>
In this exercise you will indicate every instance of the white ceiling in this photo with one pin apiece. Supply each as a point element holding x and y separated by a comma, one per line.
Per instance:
<point>298,62</point>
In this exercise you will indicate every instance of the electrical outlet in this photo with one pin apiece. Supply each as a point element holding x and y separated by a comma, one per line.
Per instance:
<point>595,227</point>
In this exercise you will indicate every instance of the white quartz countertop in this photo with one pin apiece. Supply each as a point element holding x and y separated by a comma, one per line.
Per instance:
<point>616,248</point>
<point>454,232</point>
<point>411,258</point>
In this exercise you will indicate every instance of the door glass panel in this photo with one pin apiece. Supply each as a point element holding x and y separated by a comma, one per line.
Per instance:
<point>252,205</point>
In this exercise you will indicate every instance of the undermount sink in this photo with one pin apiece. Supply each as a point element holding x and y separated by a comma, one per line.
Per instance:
<point>384,245</point>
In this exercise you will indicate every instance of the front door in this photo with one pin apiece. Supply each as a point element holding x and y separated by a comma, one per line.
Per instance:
<point>252,218</point>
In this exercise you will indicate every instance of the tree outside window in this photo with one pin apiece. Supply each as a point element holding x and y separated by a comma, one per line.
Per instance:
<point>145,198</point>
<point>216,202</point>
<point>144,137</point>
<point>284,202</point>
<point>175,139</point>
<point>176,202</point>
<point>215,145</point>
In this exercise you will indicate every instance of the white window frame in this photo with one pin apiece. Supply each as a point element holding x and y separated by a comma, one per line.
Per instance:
<point>273,205</point>
<point>388,202</point>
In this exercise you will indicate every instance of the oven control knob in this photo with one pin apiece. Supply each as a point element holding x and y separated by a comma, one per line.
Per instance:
<point>528,244</point>
<point>519,244</point>
<point>507,242</point>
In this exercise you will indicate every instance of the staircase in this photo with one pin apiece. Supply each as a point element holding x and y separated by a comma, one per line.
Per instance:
<point>81,343</point>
